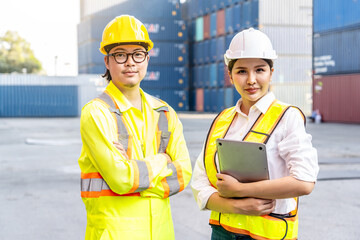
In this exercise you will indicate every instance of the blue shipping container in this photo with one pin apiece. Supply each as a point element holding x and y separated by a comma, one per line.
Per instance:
<point>335,15</point>
<point>228,98</point>
<point>254,13</point>
<point>168,53</point>
<point>220,48</point>
<point>166,77</point>
<point>247,14</point>
<point>229,20</point>
<point>337,52</point>
<point>38,101</point>
<point>237,14</point>
<point>213,24</point>
<point>213,75</point>
<point>213,50</point>
<point>178,99</point>
<point>206,75</point>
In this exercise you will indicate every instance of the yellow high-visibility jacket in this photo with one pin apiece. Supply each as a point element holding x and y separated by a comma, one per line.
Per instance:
<point>267,227</point>
<point>129,199</point>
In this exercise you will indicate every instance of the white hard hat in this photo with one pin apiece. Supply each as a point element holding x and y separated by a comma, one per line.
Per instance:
<point>250,43</point>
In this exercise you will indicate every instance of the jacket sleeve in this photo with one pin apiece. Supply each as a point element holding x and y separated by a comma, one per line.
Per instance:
<point>177,174</point>
<point>123,176</point>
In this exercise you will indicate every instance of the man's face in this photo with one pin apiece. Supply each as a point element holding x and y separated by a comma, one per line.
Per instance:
<point>129,74</point>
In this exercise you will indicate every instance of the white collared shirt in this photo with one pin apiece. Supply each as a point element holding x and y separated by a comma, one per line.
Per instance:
<point>289,151</point>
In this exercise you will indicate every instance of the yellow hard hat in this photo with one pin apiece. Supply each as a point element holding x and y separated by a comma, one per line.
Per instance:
<point>124,29</point>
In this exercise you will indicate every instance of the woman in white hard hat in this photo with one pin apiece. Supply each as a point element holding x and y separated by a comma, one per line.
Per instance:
<point>264,209</point>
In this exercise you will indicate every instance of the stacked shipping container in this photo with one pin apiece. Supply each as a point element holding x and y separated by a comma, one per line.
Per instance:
<point>214,23</point>
<point>167,76</point>
<point>336,60</point>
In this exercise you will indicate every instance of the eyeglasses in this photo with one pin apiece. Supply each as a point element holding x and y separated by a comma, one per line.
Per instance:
<point>122,57</point>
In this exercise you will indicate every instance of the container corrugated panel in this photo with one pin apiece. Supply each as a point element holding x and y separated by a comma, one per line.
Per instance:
<point>280,12</point>
<point>236,96</point>
<point>192,30</point>
<point>201,7</point>
<point>247,14</point>
<point>219,105</point>
<point>38,101</point>
<point>335,15</point>
<point>213,49</point>
<point>220,74</point>
<point>207,56</point>
<point>164,9</point>
<point>254,13</point>
<point>295,93</point>
<point>220,22</point>
<point>228,39</point>
<point>199,50</point>
<point>166,29</point>
<point>214,5</point>
<point>228,20</point>
<point>206,75</point>
<point>199,100</point>
<point>207,26</point>
<point>290,40</point>
<point>199,80</point>
<point>213,24</point>
<point>338,98</point>
<point>199,29</point>
<point>176,98</point>
<point>228,98</point>
<point>237,1</point>
<point>213,75</point>
<point>166,77</point>
<point>220,48</point>
<point>168,53</point>
<point>292,69</point>
<point>207,100</point>
<point>89,53</point>
<point>337,52</point>
<point>238,22</point>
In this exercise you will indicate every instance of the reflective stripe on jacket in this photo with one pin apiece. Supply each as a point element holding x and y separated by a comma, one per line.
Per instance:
<point>258,227</point>
<point>128,199</point>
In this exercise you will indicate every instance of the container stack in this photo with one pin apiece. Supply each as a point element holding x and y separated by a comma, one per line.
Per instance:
<point>336,60</point>
<point>214,23</point>
<point>168,73</point>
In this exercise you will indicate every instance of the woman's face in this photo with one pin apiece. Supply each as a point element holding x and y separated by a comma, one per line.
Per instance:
<point>251,78</point>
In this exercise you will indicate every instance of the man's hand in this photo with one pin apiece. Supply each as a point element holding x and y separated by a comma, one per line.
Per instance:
<point>121,149</point>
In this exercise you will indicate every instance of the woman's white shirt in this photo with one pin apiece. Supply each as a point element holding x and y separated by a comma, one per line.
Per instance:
<point>289,151</point>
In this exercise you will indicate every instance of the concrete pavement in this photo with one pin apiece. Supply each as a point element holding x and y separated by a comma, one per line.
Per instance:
<point>39,181</point>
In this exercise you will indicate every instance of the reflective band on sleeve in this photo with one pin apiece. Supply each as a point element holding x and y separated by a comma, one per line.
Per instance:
<point>172,180</point>
<point>163,127</point>
<point>144,182</point>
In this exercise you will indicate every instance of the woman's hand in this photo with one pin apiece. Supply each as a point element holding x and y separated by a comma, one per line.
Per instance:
<point>227,185</point>
<point>121,149</point>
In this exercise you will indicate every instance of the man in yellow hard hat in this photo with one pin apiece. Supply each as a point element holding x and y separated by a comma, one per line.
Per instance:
<point>134,154</point>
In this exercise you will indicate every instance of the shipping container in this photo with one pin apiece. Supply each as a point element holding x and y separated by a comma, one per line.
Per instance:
<point>207,26</point>
<point>220,48</point>
<point>199,100</point>
<point>220,22</point>
<point>292,69</point>
<point>220,101</point>
<point>168,53</point>
<point>207,100</point>
<point>213,50</point>
<point>176,98</point>
<point>213,24</point>
<point>206,75</point>
<point>213,75</point>
<point>229,20</point>
<point>337,97</point>
<point>337,52</point>
<point>280,12</point>
<point>169,9</point>
<point>228,98</point>
<point>290,40</point>
<point>166,77</point>
<point>199,29</point>
<point>246,13</point>
<point>38,101</point>
<point>237,16</point>
<point>254,13</point>
<point>207,56</point>
<point>337,15</point>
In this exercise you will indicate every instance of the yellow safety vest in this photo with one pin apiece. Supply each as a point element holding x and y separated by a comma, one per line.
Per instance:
<point>137,206</point>
<point>258,227</point>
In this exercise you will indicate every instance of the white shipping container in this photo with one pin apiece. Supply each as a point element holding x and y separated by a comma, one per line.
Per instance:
<point>285,12</point>
<point>290,40</point>
<point>298,94</point>
<point>292,69</point>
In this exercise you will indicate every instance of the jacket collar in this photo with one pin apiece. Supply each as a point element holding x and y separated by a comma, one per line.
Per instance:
<point>124,104</point>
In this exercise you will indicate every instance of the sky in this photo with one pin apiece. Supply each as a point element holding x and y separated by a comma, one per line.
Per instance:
<point>50,26</point>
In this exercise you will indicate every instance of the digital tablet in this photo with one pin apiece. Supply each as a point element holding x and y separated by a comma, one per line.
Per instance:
<point>245,161</point>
